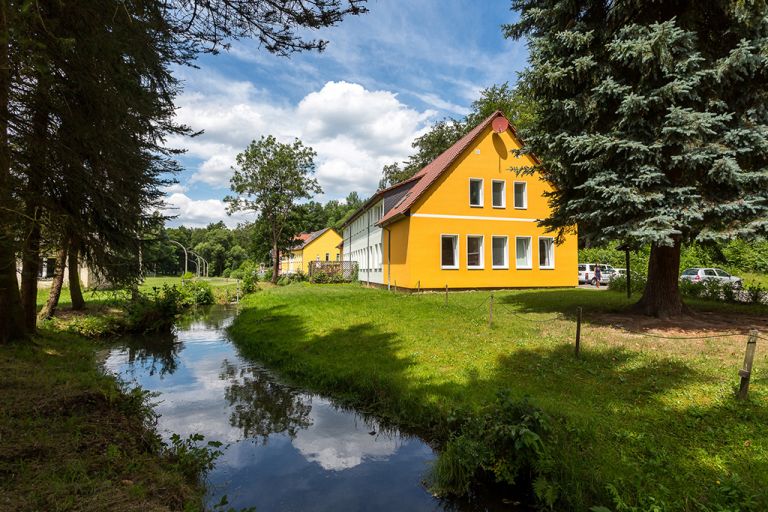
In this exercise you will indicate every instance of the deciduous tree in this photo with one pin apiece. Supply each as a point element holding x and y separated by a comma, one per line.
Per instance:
<point>269,178</point>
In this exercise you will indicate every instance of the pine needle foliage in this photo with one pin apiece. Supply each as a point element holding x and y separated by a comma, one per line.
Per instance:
<point>651,118</point>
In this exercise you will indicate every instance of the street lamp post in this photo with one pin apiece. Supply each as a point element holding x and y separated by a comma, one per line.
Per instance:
<point>186,257</point>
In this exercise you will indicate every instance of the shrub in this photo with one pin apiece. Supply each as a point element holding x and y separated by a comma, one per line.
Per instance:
<point>619,283</point>
<point>268,274</point>
<point>94,326</point>
<point>755,293</point>
<point>156,313</point>
<point>187,275</point>
<point>713,290</point>
<point>227,272</point>
<point>198,293</point>
<point>691,289</point>
<point>506,441</point>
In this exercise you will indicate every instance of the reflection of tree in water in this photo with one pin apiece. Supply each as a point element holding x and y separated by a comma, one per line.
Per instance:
<point>263,406</point>
<point>208,317</point>
<point>156,353</point>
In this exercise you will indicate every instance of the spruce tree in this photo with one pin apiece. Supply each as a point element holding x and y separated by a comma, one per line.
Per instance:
<point>651,123</point>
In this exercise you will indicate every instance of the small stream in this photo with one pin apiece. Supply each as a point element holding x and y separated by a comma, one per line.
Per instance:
<point>286,449</point>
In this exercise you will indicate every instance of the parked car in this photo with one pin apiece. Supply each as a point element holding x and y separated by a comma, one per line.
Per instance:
<point>587,273</point>
<point>698,275</point>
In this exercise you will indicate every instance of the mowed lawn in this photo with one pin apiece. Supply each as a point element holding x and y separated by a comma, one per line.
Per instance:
<point>109,297</point>
<point>655,418</point>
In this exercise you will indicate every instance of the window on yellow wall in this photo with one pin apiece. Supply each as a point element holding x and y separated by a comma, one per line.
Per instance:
<point>449,251</point>
<point>327,257</point>
<point>499,193</point>
<point>521,195</point>
<point>546,252</point>
<point>500,252</point>
<point>523,252</point>
<point>475,192</point>
<point>474,251</point>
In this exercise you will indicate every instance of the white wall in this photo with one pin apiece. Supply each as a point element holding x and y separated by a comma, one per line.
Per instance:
<point>364,244</point>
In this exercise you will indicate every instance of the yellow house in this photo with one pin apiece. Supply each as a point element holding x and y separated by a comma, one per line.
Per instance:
<point>464,221</point>
<point>317,246</point>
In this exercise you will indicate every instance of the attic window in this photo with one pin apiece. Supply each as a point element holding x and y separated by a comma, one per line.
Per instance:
<point>476,192</point>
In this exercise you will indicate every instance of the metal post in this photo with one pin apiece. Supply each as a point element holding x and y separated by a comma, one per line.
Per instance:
<point>490,312</point>
<point>446,294</point>
<point>746,371</point>
<point>629,274</point>
<point>578,331</point>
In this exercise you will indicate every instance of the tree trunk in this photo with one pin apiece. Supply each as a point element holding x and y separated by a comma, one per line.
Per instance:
<point>275,263</point>
<point>30,270</point>
<point>661,297</point>
<point>12,325</point>
<point>58,281</point>
<point>75,292</point>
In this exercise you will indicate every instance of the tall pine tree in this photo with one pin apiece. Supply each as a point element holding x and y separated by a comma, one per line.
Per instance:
<point>652,123</point>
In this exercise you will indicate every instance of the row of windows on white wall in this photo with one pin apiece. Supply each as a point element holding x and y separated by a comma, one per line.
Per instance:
<point>449,252</point>
<point>373,255</point>
<point>498,193</point>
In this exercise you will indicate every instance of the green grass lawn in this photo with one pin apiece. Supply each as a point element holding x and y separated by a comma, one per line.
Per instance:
<point>71,439</point>
<point>653,418</point>
<point>108,297</point>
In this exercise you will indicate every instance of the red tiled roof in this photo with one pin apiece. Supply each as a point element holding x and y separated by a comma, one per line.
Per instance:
<point>376,196</point>
<point>433,170</point>
<point>307,238</point>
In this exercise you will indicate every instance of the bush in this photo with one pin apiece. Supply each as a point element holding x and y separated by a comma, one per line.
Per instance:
<point>187,275</point>
<point>227,272</point>
<point>691,289</point>
<point>156,313</point>
<point>268,274</point>
<point>198,293</point>
<point>755,293</point>
<point>505,441</point>
<point>619,283</point>
<point>713,290</point>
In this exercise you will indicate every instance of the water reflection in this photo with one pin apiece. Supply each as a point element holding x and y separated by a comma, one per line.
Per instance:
<point>157,354</point>
<point>261,406</point>
<point>287,450</point>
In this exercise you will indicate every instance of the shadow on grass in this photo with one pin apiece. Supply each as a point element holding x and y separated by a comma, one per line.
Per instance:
<point>618,417</point>
<point>613,309</point>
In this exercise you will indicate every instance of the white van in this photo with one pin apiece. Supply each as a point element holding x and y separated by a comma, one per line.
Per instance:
<point>587,273</point>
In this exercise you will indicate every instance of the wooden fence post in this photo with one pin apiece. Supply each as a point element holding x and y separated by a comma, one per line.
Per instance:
<point>578,331</point>
<point>490,312</point>
<point>746,370</point>
<point>418,286</point>
<point>446,293</point>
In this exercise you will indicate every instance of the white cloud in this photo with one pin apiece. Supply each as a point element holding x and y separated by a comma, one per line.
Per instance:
<point>354,131</point>
<point>340,441</point>
<point>174,188</point>
<point>200,213</point>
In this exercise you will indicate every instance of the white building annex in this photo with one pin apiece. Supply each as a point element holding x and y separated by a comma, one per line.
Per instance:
<point>363,240</point>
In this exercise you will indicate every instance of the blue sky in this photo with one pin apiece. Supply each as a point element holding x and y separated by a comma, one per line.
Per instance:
<point>384,78</point>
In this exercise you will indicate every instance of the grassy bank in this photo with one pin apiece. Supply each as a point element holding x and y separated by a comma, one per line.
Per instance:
<point>71,439</point>
<point>638,420</point>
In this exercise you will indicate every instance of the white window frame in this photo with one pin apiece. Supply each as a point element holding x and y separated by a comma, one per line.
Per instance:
<point>552,258</point>
<point>503,194</point>
<point>529,255</point>
<point>505,266</point>
<point>457,248</point>
<point>481,266</point>
<point>482,192</point>
<point>525,195</point>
